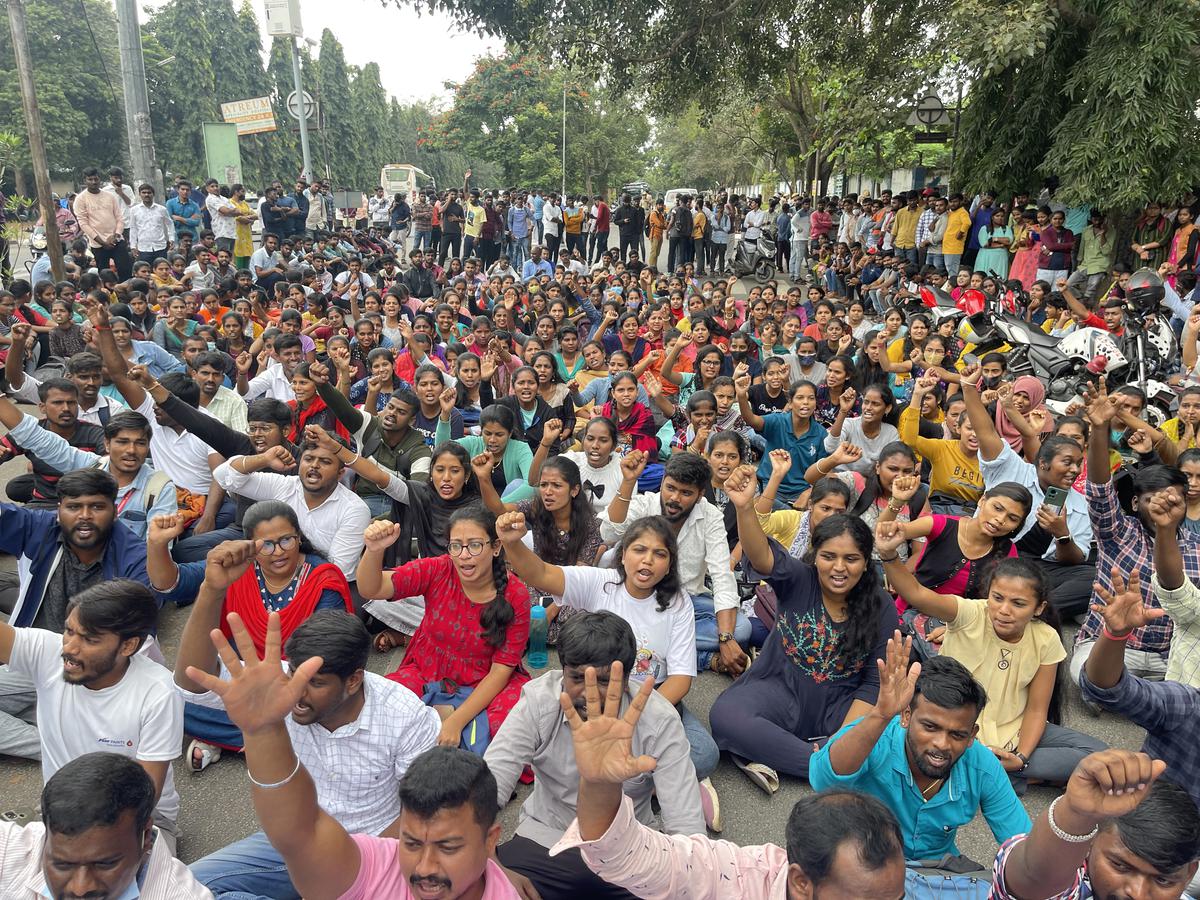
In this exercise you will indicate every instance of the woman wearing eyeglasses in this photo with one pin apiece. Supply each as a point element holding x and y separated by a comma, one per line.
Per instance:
<point>284,576</point>
<point>476,619</point>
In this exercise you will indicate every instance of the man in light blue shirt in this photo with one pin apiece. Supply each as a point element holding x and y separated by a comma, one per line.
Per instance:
<point>535,266</point>
<point>916,751</point>
<point>142,492</point>
<point>517,224</point>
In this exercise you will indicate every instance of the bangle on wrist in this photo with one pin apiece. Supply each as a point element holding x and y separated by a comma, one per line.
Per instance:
<point>890,559</point>
<point>1064,836</point>
<point>1119,638</point>
<point>277,784</point>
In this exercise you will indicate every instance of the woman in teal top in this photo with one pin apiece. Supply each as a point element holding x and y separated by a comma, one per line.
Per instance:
<point>511,459</point>
<point>994,241</point>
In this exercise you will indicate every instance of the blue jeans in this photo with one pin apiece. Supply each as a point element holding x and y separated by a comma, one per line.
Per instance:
<point>937,260</point>
<point>378,504</point>
<point>707,644</point>
<point>704,751</point>
<point>246,869</point>
<point>908,254</point>
<point>422,240</point>
<point>951,262</point>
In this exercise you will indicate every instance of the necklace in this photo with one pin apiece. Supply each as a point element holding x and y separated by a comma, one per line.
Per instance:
<point>932,789</point>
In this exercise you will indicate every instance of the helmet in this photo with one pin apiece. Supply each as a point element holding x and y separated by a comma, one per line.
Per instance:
<point>1145,289</point>
<point>1086,344</point>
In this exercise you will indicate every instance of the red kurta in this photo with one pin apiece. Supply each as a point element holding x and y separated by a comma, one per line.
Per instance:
<point>448,643</point>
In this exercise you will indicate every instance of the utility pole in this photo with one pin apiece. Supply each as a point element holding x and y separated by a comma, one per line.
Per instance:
<point>33,122</point>
<point>304,153</point>
<point>137,99</point>
<point>564,142</point>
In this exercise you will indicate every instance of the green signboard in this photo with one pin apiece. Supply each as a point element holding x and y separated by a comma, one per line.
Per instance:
<point>222,153</point>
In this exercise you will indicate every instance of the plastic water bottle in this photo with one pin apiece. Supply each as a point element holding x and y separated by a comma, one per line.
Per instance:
<point>537,656</point>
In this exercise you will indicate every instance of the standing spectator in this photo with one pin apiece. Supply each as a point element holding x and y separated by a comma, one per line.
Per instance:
<point>656,227</point>
<point>602,214</point>
<point>1054,258</point>
<point>102,218</point>
<point>224,215</point>
<point>119,189</point>
<point>452,227</point>
<point>801,229</point>
<point>630,222</point>
<point>185,212</point>
<point>151,231</point>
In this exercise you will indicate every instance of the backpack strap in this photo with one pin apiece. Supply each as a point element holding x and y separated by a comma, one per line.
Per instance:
<point>154,486</point>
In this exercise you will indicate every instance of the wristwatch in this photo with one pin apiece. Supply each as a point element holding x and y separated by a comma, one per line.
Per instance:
<point>1065,539</point>
<point>724,637</point>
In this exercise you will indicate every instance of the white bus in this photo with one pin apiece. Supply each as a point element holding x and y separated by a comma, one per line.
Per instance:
<point>402,178</point>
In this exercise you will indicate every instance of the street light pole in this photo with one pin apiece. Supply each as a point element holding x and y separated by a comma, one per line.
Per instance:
<point>137,98</point>
<point>564,141</point>
<point>37,148</point>
<point>304,152</point>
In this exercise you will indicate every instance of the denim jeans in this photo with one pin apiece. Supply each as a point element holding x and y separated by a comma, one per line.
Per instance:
<point>249,868</point>
<point>937,260</point>
<point>707,644</point>
<point>704,751</point>
<point>378,504</point>
<point>908,254</point>
<point>952,261</point>
<point>422,240</point>
<point>798,257</point>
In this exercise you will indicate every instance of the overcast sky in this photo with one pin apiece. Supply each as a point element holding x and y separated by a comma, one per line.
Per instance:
<point>416,53</point>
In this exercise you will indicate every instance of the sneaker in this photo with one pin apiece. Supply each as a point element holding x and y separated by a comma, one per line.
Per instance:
<point>711,804</point>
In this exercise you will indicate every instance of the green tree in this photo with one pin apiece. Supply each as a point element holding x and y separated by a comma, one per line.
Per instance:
<point>341,130</point>
<point>1100,93</point>
<point>287,141</point>
<point>187,97</point>
<point>369,109</point>
<point>78,84</point>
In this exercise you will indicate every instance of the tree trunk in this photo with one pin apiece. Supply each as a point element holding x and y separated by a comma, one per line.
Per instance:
<point>22,186</point>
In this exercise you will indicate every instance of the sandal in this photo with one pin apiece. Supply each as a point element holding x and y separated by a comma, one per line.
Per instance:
<point>390,639</point>
<point>764,777</point>
<point>208,754</point>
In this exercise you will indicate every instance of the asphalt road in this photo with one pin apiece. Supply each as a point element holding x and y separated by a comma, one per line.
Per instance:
<point>216,807</point>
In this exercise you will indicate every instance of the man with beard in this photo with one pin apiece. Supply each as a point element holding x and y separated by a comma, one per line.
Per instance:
<point>331,515</point>
<point>186,459</point>
<point>447,826</point>
<point>916,751</point>
<point>96,839</point>
<point>85,369</point>
<point>699,528</point>
<point>59,403</point>
<point>346,714</point>
<point>269,422</point>
<point>222,403</point>
<point>95,689</point>
<point>142,493</point>
<point>388,439</point>
<point>536,734</point>
<point>58,555</point>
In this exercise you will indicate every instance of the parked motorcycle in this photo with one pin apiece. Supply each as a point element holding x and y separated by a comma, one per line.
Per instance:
<point>755,258</point>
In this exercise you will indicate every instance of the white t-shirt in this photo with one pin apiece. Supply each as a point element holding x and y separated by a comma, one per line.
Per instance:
<point>666,641</point>
<point>552,219</point>
<point>608,478</point>
<point>141,716</point>
<point>182,455</point>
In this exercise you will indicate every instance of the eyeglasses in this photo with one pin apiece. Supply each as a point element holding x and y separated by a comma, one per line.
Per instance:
<point>473,548</point>
<point>285,543</point>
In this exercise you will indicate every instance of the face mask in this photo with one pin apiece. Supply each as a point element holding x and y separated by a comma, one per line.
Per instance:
<point>933,358</point>
<point>807,359</point>
<point>991,382</point>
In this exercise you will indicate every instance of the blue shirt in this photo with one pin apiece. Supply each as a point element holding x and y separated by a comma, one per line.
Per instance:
<point>538,203</point>
<point>190,212</point>
<point>158,362</point>
<point>532,269</point>
<point>929,826</point>
<point>805,450</point>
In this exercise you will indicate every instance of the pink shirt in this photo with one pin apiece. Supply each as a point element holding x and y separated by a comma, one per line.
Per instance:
<point>379,874</point>
<point>654,865</point>
<point>99,215</point>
